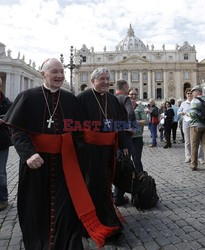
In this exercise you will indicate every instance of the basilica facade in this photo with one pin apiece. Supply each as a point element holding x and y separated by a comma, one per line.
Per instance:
<point>159,74</point>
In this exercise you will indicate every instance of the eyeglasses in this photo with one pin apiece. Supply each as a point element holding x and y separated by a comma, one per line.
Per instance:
<point>103,79</point>
<point>133,94</point>
<point>188,93</point>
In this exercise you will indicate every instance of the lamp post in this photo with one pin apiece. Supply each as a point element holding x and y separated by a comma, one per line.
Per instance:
<point>71,66</point>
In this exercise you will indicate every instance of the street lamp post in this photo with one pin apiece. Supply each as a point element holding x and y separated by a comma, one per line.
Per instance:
<point>71,66</point>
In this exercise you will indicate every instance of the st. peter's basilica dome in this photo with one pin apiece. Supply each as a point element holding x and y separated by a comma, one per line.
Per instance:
<point>131,42</point>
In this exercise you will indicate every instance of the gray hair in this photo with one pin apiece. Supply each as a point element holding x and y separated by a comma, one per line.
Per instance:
<point>99,71</point>
<point>45,65</point>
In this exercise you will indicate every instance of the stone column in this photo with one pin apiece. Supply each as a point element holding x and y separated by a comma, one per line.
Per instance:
<point>22,87</point>
<point>129,78</point>
<point>116,76</point>
<point>17,85</point>
<point>149,84</point>
<point>29,83</point>
<point>153,85</point>
<point>141,86</point>
<point>89,79</point>
<point>178,91</point>
<point>165,84</point>
<point>8,86</point>
<point>194,77</point>
<point>76,83</point>
<point>120,74</point>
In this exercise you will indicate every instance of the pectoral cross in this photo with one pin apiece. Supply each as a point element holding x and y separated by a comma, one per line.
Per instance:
<point>107,122</point>
<point>49,122</point>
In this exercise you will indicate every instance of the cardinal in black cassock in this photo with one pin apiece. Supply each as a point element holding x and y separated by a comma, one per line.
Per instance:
<point>100,106</point>
<point>47,216</point>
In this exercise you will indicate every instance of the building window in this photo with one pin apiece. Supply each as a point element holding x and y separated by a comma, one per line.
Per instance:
<point>135,76</point>
<point>144,76</point>
<point>159,93</point>
<point>125,75</point>
<point>144,57</point>
<point>84,77</point>
<point>186,75</point>
<point>145,95</point>
<point>186,56</point>
<point>98,59</point>
<point>84,58</point>
<point>158,76</point>
<point>170,58</point>
<point>124,57</point>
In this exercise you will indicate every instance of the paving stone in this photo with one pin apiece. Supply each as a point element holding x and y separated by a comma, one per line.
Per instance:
<point>177,222</point>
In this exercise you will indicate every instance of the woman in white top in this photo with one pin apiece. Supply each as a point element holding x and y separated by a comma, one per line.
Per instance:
<point>183,111</point>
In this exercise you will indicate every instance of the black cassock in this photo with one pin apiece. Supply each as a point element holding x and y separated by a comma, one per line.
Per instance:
<point>46,213</point>
<point>98,162</point>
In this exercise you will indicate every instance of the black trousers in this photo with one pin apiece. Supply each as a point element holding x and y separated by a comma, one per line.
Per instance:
<point>174,130</point>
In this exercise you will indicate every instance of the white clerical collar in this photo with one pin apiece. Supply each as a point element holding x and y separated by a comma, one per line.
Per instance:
<point>52,90</point>
<point>98,91</point>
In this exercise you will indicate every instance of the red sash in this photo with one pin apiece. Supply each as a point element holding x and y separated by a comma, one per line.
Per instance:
<point>103,139</point>
<point>50,143</point>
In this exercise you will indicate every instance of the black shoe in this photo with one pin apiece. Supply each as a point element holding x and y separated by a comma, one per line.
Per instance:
<point>3,205</point>
<point>167,146</point>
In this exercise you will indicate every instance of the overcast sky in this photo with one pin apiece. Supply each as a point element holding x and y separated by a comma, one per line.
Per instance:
<point>40,29</point>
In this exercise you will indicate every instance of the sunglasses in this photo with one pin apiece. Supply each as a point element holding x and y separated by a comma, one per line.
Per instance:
<point>133,94</point>
<point>188,93</point>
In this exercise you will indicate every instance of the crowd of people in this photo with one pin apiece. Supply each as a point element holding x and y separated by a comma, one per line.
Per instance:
<point>68,147</point>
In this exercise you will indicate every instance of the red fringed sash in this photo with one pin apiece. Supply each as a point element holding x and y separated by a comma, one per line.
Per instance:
<point>49,143</point>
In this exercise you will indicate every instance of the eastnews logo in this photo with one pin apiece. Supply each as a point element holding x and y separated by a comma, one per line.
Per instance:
<point>108,125</point>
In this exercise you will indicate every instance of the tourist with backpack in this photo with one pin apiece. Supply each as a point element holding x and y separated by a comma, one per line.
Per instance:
<point>197,124</point>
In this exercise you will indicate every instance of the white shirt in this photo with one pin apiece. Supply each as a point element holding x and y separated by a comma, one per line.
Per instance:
<point>185,107</point>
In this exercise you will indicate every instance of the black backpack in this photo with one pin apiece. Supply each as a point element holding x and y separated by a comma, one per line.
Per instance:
<point>147,194</point>
<point>202,113</point>
<point>126,176</point>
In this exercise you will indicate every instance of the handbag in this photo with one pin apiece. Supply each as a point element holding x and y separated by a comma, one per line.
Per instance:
<point>162,121</point>
<point>126,176</point>
<point>155,120</point>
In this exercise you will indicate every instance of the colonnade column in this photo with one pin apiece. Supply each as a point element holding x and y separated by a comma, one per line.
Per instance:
<point>16,85</point>
<point>129,78</point>
<point>22,87</point>
<point>153,85</point>
<point>149,84</point>
<point>178,91</point>
<point>194,77</point>
<point>116,75</point>
<point>165,83</point>
<point>141,86</point>
<point>76,82</point>
<point>29,83</point>
<point>8,87</point>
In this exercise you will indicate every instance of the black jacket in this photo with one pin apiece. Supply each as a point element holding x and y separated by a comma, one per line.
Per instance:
<point>5,140</point>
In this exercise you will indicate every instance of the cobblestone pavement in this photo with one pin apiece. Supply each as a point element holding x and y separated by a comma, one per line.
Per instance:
<point>178,221</point>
